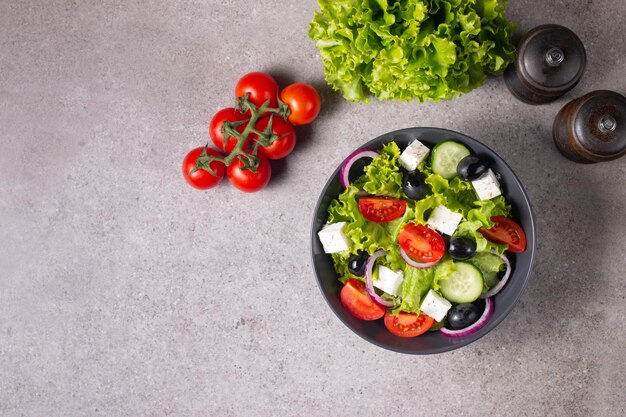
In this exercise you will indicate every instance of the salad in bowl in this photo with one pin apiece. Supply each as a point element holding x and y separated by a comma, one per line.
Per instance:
<point>428,237</point>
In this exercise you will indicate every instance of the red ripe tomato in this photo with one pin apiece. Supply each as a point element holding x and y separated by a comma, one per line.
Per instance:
<point>408,324</point>
<point>260,86</point>
<point>421,242</point>
<point>283,146</point>
<point>357,301</point>
<point>381,209</point>
<point>245,179</point>
<point>506,232</point>
<point>215,128</point>
<point>304,103</point>
<point>201,178</point>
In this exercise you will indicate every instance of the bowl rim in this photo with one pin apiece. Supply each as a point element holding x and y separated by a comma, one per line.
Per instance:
<point>377,143</point>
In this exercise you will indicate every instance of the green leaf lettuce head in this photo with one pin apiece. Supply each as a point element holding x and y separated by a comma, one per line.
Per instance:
<point>411,49</point>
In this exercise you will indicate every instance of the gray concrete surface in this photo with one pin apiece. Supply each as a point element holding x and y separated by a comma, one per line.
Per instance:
<point>124,292</point>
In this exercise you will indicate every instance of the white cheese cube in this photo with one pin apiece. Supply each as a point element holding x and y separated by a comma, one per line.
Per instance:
<point>435,305</point>
<point>413,155</point>
<point>332,238</point>
<point>389,281</point>
<point>487,186</point>
<point>444,220</point>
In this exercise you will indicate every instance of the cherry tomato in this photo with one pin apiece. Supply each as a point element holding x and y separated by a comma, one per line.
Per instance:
<point>260,87</point>
<point>245,179</point>
<point>408,324</point>
<point>283,146</point>
<point>421,243</point>
<point>505,231</point>
<point>381,209</point>
<point>357,301</point>
<point>201,178</point>
<point>215,127</point>
<point>304,103</point>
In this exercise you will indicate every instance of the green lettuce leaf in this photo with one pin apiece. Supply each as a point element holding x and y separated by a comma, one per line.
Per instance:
<point>489,264</point>
<point>414,287</point>
<point>411,49</point>
<point>480,216</point>
<point>383,175</point>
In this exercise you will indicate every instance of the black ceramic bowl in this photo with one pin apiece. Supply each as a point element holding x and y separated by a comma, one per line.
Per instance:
<point>430,342</point>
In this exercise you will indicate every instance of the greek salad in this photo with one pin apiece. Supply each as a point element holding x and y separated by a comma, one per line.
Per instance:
<point>421,238</point>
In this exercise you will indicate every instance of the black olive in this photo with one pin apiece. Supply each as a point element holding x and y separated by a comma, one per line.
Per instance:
<point>356,264</point>
<point>461,248</point>
<point>462,315</point>
<point>471,168</point>
<point>414,185</point>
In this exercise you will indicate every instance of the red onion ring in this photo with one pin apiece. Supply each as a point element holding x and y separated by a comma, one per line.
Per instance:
<point>414,263</point>
<point>369,282</point>
<point>350,160</point>
<point>504,279</point>
<point>480,323</point>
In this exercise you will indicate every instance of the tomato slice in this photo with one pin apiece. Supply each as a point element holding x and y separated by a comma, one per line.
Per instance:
<point>357,301</point>
<point>381,209</point>
<point>421,243</point>
<point>506,232</point>
<point>408,324</point>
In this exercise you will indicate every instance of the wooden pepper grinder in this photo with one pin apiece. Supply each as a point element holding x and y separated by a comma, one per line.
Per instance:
<point>550,61</point>
<point>592,128</point>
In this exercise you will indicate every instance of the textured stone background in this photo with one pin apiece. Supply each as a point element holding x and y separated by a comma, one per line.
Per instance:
<point>124,292</point>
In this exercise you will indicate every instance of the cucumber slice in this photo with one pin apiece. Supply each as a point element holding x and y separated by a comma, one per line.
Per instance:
<point>446,156</point>
<point>464,285</point>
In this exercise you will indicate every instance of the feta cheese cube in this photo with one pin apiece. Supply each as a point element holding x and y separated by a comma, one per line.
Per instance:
<point>444,220</point>
<point>332,238</point>
<point>413,155</point>
<point>435,305</point>
<point>487,186</point>
<point>389,281</point>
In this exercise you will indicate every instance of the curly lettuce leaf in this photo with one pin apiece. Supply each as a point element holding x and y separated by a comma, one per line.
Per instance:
<point>411,49</point>
<point>383,176</point>
<point>444,269</point>
<point>480,216</point>
<point>363,235</point>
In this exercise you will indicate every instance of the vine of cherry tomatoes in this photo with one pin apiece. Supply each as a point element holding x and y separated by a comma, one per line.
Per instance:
<point>261,127</point>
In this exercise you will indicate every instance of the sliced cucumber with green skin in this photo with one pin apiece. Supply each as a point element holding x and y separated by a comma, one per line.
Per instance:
<point>445,157</point>
<point>464,285</point>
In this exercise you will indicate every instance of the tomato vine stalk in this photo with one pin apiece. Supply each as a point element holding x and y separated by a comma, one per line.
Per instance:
<point>249,157</point>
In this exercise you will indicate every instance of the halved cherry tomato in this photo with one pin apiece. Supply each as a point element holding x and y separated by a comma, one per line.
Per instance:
<point>381,209</point>
<point>202,179</point>
<point>260,88</point>
<point>215,128</point>
<point>408,324</point>
<point>245,179</point>
<point>280,127</point>
<point>421,242</point>
<point>506,232</point>
<point>357,301</point>
<point>304,103</point>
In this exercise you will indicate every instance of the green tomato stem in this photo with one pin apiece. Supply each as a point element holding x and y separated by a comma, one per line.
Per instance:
<point>249,159</point>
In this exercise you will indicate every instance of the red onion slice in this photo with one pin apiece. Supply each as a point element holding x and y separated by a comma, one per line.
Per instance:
<point>480,323</point>
<point>504,279</point>
<point>414,263</point>
<point>350,160</point>
<point>369,281</point>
